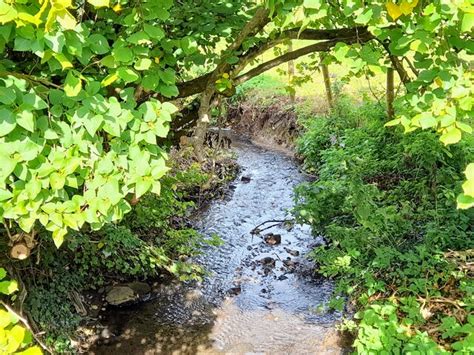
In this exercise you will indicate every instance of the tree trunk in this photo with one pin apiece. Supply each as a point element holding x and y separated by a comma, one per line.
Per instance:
<point>291,73</point>
<point>327,84</point>
<point>390,93</point>
<point>204,118</point>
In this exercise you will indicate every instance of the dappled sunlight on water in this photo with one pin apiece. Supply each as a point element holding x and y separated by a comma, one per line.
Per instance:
<point>259,298</point>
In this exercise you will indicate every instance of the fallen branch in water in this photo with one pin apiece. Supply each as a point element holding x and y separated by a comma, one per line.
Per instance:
<point>277,222</point>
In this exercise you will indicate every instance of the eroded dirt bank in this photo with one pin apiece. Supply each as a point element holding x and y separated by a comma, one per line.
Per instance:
<point>260,296</point>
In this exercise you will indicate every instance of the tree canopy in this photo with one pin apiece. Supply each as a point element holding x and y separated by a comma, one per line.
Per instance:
<point>86,86</point>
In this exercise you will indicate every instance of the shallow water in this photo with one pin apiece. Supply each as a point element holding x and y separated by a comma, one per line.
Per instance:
<point>246,305</point>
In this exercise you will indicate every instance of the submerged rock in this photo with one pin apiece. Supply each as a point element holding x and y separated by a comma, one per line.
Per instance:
<point>292,252</point>
<point>245,179</point>
<point>120,295</point>
<point>234,291</point>
<point>272,239</point>
<point>129,293</point>
<point>268,261</point>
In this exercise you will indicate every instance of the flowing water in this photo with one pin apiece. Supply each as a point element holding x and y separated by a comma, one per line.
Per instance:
<point>258,298</point>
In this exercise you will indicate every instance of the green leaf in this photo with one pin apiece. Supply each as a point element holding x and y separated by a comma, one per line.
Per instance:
<point>63,60</point>
<point>469,172</point>
<point>7,122</point>
<point>464,127</point>
<point>15,338</point>
<point>34,350</point>
<point>468,187</point>
<point>58,236</point>
<point>26,120</point>
<point>168,90</point>
<point>8,287</point>
<point>98,43</point>
<point>122,54</point>
<point>99,3</point>
<point>3,273</point>
<point>55,41</point>
<point>7,95</point>
<point>465,202</point>
<point>7,13</point>
<point>232,60</point>
<point>452,136</point>
<point>143,64</point>
<point>312,4</point>
<point>57,181</point>
<point>427,121</point>
<point>72,85</point>
<point>93,124</point>
<point>109,79</point>
<point>6,318</point>
<point>394,122</point>
<point>127,75</point>
<point>7,165</point>
<point>139,38</point>
<point>154,32</point>
<point>150,81</point>
<point>5,195</point>
<point>467,22</point>
<point>364,17</point>
<point>168,76</point>
<point>142,186</point>
<point>33,102</point>
<point>65,19</point>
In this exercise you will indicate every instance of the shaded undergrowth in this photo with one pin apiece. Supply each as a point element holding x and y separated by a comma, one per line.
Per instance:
<point>154,241</point>
<point>385,202</point>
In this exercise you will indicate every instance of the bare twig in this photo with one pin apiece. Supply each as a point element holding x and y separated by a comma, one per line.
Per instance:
<point>277,222</point>
<point>7,229</point>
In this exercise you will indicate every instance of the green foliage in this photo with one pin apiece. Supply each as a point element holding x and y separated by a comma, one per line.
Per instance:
<point>14,337</point>
<point>155,238</point>
<point>381,331</point>
<point>429,43</point>
<point>72,150</point>
<point>386,206</point>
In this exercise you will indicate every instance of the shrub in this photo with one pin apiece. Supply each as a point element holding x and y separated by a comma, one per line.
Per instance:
<point>386,203</point>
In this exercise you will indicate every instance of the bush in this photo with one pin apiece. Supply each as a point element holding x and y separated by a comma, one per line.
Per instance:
<point>155,238</point>
<point>385,202</point>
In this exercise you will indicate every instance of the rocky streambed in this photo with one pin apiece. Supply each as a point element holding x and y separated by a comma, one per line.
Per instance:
<point>260,296</point>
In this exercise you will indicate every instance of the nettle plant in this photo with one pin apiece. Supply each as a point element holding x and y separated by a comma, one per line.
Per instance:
<point>75,145</point>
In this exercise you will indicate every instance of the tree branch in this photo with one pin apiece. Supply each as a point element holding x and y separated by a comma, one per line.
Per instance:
<point>312,34</point>
<point>346,35</point>
<point>29,78</point>
<point>317,47</point>
<point>397,64</point>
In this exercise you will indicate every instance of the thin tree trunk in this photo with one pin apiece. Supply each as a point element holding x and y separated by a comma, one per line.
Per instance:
<point>390,93</point>
<point>258,21</point>
<point>204,118</point>
<point>291,73</point>
<point>327,84</point>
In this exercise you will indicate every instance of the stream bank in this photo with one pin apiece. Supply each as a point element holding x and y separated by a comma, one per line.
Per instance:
<point>260,295</point>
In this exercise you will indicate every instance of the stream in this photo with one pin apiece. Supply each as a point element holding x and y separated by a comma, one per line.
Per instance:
<point>258,298</point>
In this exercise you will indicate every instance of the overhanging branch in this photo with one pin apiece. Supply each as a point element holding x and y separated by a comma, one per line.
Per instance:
<point>332,36</point>
<point>317,47</point>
